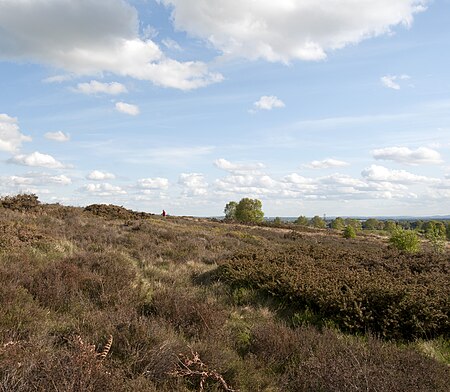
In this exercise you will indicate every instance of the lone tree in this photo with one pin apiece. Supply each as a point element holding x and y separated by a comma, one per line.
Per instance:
<point>246,211</point>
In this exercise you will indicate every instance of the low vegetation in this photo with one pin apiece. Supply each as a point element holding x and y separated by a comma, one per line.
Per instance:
<point>107,299</point>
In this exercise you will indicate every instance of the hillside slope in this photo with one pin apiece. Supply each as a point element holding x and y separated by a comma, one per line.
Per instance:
<point>105,299</point>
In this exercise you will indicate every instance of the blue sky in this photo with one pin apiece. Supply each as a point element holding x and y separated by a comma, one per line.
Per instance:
<point>337,109</point>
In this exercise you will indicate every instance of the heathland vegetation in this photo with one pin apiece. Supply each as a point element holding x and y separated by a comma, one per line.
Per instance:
<point>107,299</point>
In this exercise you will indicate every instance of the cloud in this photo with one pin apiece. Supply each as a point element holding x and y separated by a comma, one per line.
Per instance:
<point>268,103</point>
<point>88,37</point>
<point>422,155</point>
<point>289,29</point>
<point>238,168</point>
<point>171,44</point>
<point>38,179</point>
<point>95,87</point>
<point>381,173</point>
<point>153,183</point>
<point>104,189</point>
<point>11,138</point>
<point>97,175</point>
<point>36,159</point>
<point>391,81</point>
<point>127,108</point>
<point>58,136</point>
<point>58,78</point>
<point>326,164</point>
<point>248,185</point>
<point>194,184</point>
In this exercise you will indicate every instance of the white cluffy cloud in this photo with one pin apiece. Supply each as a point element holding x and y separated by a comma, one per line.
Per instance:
<point>153,183</point>
<point>36,159</point>
<point>95,87</point>
<point>88,37</point>
<point>97,175</point>
<point>284,30</point>
<point>11,138</point>
<point>392,81</point>
<point>127,108</point>
<point>238,168</point>
<point>58,136</point>
<point>421,155</point>
<point>267,102</point>
<point>194,184</point>
<point>104,189</point>
<point>38,179</point>
<point>383,174</point>
<point>326,164</point>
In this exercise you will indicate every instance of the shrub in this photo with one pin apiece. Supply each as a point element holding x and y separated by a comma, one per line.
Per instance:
<point>405,240</point>
<point>436,234</point>
<point>22,202</point>
<point>349,232</point>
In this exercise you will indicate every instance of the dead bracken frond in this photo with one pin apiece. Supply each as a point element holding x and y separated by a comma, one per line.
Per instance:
<point>195,368</point>
<point>90,349</point>
<point>102,355</point>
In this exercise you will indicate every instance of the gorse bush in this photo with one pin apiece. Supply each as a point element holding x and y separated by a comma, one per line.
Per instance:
<point>405,240</point>
<point>349,232</point>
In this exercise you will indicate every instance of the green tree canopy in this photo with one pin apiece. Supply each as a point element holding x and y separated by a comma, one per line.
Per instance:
<point>249,211</point>
<point>230,210</point>
<point>338,223</point>
<point>318,222</point>
<point>355,223</point>
<point>372,224</point>
<point>302,221</point>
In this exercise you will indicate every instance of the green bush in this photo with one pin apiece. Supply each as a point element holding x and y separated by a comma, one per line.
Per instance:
<point>349,232</point>
<point>405,240</point>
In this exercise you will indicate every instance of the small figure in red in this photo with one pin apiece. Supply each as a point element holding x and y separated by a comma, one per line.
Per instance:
<point>164,213</point>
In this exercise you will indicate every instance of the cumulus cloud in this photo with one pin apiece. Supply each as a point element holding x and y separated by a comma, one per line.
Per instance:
<point>103,189</point>
<point>268,103</point>
<point>11,138</point>
<point>289,29</point>
<point>194,184</point>
<point>37,179</point>
<point>248,185</point>
<point>381,173</point>
<point>238,168</point>
<point>392,81</point>
<point>422,155</point>
<point>36,159</point>
<point>58,136</point>
<point>153,183</point>
<point>88,37</point>
<point>127,108</point>
<point>97,175</point>
<point>326,164</point>
<point>95,87</point>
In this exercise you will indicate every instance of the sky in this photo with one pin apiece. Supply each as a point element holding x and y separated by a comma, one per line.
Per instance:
<point>337,107</point>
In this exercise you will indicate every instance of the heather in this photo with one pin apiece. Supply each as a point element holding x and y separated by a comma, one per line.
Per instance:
<point>107,299</point>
